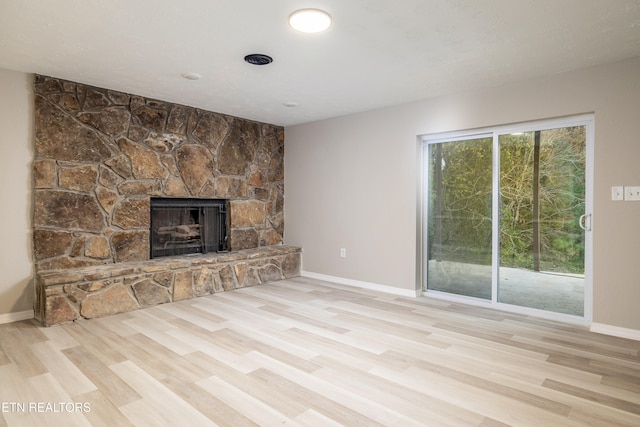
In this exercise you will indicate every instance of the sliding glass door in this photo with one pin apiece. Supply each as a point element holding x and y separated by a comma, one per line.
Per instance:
<point>459,216</point>
<point>542,198</point>
<point>507,215</point>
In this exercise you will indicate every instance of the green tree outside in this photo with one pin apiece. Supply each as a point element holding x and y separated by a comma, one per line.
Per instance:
<point>461,191</point>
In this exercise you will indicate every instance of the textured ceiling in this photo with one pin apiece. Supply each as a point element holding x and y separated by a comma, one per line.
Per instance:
<point>377,52</point>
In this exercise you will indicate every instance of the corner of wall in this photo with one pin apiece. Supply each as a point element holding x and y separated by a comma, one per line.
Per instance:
<point>16,260</point>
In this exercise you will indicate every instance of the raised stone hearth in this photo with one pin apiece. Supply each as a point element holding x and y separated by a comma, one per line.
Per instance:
<point>68,295</point>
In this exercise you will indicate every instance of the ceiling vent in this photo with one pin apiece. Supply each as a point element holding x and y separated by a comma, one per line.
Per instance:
<point>258,59</point>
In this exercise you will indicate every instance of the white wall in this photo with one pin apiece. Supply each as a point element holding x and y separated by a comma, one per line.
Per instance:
<point>351,182</point>
<point>16,146</point>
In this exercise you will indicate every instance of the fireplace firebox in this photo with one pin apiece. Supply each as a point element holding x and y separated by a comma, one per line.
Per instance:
<point>187,226</point>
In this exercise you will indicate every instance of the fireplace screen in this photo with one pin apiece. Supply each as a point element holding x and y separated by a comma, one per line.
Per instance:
<point>188,226</point>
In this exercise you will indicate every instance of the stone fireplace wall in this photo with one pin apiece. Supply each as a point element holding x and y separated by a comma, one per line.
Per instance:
<point>100,155</point>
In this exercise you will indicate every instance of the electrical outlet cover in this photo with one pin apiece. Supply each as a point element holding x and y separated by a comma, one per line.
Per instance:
<point>617,192</point>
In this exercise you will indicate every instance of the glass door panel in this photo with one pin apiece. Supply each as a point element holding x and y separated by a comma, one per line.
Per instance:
<point>459,217</point>
<point>542,197</point>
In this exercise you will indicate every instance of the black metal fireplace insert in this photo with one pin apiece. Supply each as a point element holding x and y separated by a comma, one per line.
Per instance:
<point>187,226</point>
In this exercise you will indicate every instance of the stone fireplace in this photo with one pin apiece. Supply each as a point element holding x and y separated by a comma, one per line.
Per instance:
<point>102,159</point>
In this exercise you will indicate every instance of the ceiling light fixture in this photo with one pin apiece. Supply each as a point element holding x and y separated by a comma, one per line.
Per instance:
<point>310,20</point>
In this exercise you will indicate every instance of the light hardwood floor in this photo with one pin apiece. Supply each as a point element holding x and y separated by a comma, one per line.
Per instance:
<point>312,353</point>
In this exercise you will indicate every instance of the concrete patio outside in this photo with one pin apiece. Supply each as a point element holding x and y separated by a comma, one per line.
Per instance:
<point>556,292</point>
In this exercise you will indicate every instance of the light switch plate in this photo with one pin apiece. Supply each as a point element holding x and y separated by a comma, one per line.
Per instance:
<point>632,193</point>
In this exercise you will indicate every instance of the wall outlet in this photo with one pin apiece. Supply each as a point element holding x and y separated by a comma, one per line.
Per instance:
<point>617,192</point>
<point>632,193</point>
<point>343,253</point>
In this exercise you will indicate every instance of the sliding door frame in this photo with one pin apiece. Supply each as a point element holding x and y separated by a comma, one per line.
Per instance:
<point>495,132</point>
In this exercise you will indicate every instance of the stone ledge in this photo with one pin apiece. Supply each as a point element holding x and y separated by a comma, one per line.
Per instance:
<point>88,292</point>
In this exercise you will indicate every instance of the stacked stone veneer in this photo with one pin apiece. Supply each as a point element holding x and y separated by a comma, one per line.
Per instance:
<point>90,292</point>
<point>100,155</point>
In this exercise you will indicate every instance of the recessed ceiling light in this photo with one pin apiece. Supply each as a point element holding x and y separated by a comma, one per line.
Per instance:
<point>258,59</point>
<point>191,76</point>
<point>310,20</point>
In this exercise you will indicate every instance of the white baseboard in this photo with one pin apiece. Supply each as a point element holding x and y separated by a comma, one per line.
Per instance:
<point>16,317</point>
<point>412,293</point>
<point>616,331</point>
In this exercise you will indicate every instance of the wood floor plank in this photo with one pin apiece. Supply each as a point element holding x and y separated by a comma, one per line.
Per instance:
<point>392,329</point>
<point>331,408</point>
<point>19,352</point>
<point>241,341</point>
<point>594,396</point>
<point>14,391</point>
<point>66,373</point>
<point>252,407</point>
<point>323,345</point>
<point>359,408</point>
<point>252,298</point>
<point>207,404</point>
<point>411,319</point>
<point>159,331</point>
<point>623,382</point>
<point>102,410</point>
<point>109,386</point>
<point>460,395</point>
<point>29,331</point>
<point>277,339</point>
<point>160,405</point>
<point>130,346</point>
<point>253,384</point>
<point>189,313</point>
<point>97,345</point>
<point>4,357</point>
<point>313,418</point>
<point>304,319</point>
<point>594,417</point>
<point>217,352</point>
<point>579,406</point>
<point>220,307</point>
<point>416,406</point>
<point>111,325</point>
<point>60,338</point>
<point>55,407</point>
<point>308,352</point>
